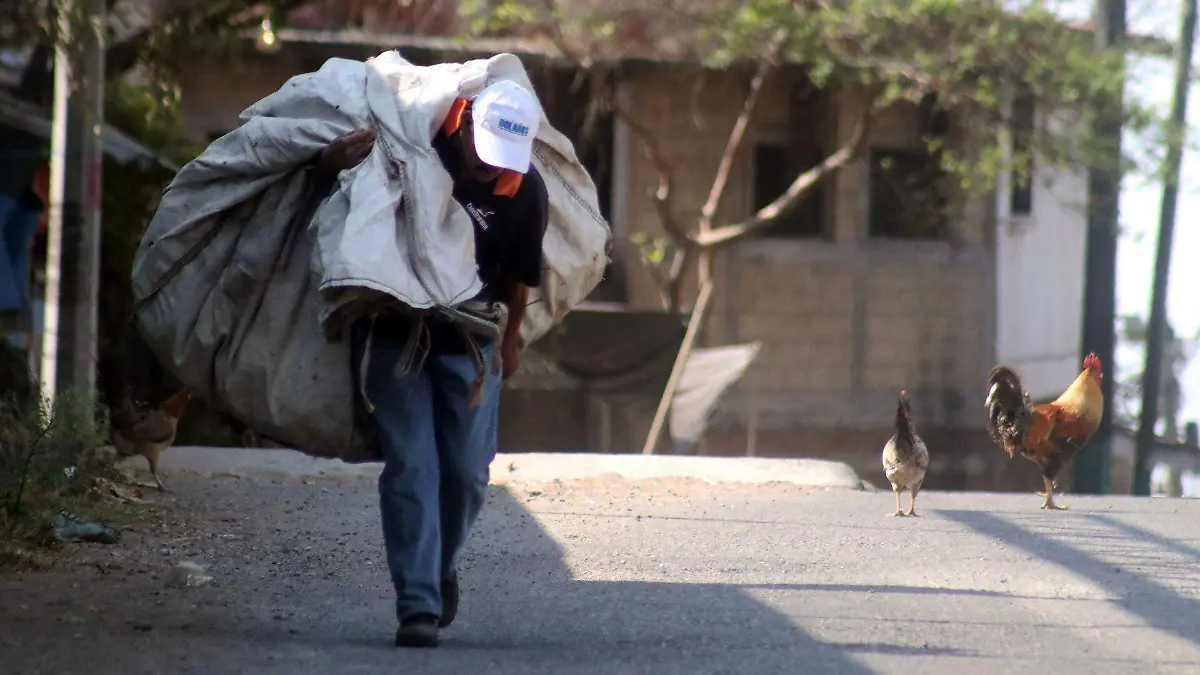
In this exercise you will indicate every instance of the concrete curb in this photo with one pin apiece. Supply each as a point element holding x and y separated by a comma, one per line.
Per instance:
<point>573,466</point>
<point>523,467</point>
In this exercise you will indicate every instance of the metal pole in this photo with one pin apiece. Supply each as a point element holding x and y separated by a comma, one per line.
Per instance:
<point>685,350</point>
<point>71,325</point>
<point>1091,475</point>
<point>1156,332</point>
<point>58,168</point>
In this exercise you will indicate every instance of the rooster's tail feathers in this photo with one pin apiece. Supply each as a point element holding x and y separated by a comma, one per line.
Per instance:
<point>1007,408</point>
<point>1004,382</point>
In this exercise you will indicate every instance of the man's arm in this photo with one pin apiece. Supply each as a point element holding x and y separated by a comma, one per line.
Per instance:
<point>524,269</point>
<point>514,295</point>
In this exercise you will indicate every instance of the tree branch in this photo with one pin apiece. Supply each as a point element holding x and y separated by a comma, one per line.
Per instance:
<point>799,188</point>
<point>767,64</point>
<point>666,181</point>
<point>679,265</point>
<point>657,275</point>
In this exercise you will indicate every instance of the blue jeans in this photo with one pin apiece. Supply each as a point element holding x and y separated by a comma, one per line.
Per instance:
<point>436,452</point>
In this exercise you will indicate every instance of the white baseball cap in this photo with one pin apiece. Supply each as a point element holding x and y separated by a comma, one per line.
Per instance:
<point>505,117</point>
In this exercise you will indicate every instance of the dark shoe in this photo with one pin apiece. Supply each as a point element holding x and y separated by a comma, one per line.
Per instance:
<point>450,596</point>
<point>418,631</point>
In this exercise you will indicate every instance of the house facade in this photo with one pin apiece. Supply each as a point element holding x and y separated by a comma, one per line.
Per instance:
<point>857,295</point>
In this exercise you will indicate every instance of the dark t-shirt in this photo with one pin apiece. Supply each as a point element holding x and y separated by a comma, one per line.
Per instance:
<point>508,230</point>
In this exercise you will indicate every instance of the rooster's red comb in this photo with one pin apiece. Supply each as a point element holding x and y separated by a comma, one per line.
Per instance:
<point>1092,362</point>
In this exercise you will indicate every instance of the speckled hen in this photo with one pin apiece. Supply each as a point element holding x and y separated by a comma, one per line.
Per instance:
<point>905,458</point>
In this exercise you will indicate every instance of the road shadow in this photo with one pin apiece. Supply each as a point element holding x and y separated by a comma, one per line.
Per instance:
<point>890,589</point>
<point>1126,549</point>
<point>1127,532</point>
<point>524,600</point>
<point>301,588</point>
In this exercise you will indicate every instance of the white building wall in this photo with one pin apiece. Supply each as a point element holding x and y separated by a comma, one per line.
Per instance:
<point>1040,279</point>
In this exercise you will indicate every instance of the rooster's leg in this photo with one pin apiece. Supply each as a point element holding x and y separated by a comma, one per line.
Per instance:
<point>912,505</point>
<point>152,460</point>
<point>1049,503</point>
<point>899,509</point>
<point>1043,494</point>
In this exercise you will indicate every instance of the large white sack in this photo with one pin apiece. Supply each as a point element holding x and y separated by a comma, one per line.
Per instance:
<point>232,287</point>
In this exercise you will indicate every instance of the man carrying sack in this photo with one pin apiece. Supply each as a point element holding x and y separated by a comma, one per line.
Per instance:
<point>430,387</point>
<point>375,321</point>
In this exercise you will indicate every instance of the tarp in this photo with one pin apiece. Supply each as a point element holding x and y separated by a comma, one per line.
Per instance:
<point>708,374</point>
<point>619,350</point>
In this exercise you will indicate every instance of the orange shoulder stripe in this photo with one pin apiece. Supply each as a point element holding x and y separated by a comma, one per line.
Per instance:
<point>509,182</point>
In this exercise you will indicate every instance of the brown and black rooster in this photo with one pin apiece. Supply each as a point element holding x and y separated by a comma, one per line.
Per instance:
<point>1050,434</point>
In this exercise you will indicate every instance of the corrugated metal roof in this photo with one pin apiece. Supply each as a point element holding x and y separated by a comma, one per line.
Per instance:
<point>666,49</point>
<point>401,41</point>
<point>118,146</point>
<point>468,46</point>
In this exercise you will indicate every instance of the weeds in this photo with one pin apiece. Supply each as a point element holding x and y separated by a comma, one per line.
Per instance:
<point>49,460</point>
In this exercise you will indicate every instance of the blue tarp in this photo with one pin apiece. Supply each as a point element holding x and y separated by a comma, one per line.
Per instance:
<point>18,222</point>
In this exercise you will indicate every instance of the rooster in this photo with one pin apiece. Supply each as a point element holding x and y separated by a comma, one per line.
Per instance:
<point>148,433</point>
<point>905,458</point>
<point>1050,434</point>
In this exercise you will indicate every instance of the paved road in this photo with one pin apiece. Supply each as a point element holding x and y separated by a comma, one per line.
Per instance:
<point>608,575</point>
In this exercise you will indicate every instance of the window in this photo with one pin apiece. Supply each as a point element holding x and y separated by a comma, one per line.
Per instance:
<point>1022,127</point>
<point>906,199</point>
<point>776,166</point>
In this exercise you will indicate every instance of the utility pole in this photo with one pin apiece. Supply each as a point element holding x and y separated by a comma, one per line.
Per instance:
<point>1156,332</point>
<point>71,324</point>
<point>1091,475</point>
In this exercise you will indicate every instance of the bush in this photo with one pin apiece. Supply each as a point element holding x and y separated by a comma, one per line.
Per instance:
<point>48,458</point>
